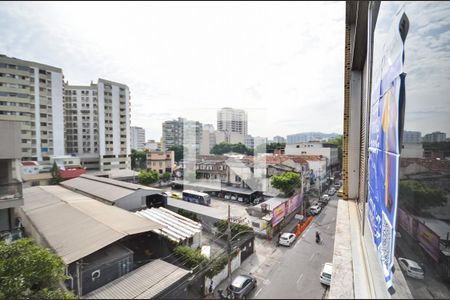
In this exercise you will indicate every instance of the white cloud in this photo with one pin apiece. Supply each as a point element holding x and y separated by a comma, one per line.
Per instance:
<point>189,59</point>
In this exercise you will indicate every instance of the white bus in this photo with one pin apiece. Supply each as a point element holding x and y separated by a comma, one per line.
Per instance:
<point>196,197</point>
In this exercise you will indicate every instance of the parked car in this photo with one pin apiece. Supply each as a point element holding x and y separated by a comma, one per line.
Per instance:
<point>337,185</point>
<point>340,193</point>
<point>332,191</point>
<point>315,209</point>
<point>233,197</point>
<point>242,285</point>
<point>286,239</point>
<point>227,196</point>
<point>411,268</point>
<point>325,275</point>
<point>325,197</point>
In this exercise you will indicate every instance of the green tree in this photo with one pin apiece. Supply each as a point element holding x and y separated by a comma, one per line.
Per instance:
<point>28,271</point>
<point>338,141</point>
<point>287,182</point>
<point>166,176</point>
<point>56,177</point>
<point>236,228</point>
<point>190,257</point>
<point>223,148</point>
<point>148,177</point>
<point>418,196</point>
<point>179,152</point>
<point>138,159</point>
<point>270,147</point>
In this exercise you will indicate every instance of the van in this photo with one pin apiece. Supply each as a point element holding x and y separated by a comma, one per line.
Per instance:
<point>325,275</point>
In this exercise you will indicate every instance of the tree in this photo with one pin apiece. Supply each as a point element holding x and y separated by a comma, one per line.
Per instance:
<point>138,159</point>
<point>338,141</point>
<point>56,177</point>
<point>28,271</point>
<point>179,152</point>
<point>166,176</point>
<point>223,148</point>
<point>148,177</point>
<point>287,182</point>
<point>418,196</point>
<point>269,148</point>
<point>191,257</point>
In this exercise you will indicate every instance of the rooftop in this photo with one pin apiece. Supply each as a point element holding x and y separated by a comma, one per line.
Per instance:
<point>146,282</point>
<point>93,225</point>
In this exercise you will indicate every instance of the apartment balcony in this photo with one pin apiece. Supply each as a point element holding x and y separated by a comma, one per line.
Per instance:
<point>11,194</point>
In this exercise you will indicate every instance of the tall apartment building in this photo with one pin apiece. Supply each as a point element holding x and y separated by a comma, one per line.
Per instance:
<point>232,120</point>
<point>32,93</point>
<point>412,137</point>
<point>97,120</point>
<point>137,135</point>
<point>181,132</point>
<point>208,139</point>
<point>435,137</point>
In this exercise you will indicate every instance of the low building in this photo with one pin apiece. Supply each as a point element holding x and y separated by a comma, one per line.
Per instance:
<point>161,161</point>
<point>30,180</point>
<point>30,167</point>
<point>10,178</point>
<point>125,195</point>
<point>178,229</point>
<point>326,150</point>
<point>157,279</point>
<point>85,232</point>
<point>126,175</point>
<point>412,150</point>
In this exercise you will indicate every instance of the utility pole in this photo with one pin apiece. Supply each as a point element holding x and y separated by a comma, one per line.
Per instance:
<point>79,284</point>
<point>229,243</point>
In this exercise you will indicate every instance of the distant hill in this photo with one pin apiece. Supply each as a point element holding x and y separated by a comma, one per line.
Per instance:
<point>310,136</point>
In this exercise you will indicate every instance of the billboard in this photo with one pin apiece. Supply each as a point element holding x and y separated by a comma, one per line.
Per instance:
<point>386,109</point>
<point>278,213</point>
<point>294,203</point>
<point>405,221</point>
<point>428,240</point>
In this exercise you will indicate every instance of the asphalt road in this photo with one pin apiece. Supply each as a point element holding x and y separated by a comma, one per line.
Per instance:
<point>295,273</point>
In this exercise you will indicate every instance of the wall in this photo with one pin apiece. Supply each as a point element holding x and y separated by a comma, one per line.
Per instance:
<point>220,277</point>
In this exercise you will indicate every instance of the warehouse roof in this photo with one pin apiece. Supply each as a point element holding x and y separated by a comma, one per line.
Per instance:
<point>145,282</point>
<point>178,228</point>
<point>108,189</point>
<point>75,225</point>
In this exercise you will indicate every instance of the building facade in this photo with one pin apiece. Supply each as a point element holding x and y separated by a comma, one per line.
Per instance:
<point>137,135</point>
<point>32,93</point>
<point>161,161</point>
<point>435,137</point>
<point>249,142</point>
<point>232,120</point>
<point>10,177</point>
<point>208,139</point>
<point>412,137</point>
<point>329,151</point>
<point>97,120</point>
<point>181,132</point>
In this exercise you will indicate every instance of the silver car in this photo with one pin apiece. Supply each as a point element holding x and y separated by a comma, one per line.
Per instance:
<point>242,285</point>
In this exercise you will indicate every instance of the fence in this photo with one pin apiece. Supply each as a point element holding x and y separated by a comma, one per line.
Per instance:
<point>301,227</point>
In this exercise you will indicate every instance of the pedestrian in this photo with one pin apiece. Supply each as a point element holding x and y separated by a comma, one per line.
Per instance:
<point>211,289</point>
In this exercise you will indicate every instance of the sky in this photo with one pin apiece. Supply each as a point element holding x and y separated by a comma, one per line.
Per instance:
<point>283,62</point>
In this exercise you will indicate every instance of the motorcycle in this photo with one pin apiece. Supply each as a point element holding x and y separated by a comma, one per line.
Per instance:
<point>318,238</point>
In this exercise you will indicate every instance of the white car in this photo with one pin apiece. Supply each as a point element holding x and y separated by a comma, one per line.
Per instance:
<point>315,209</point>
<point>287,239</point>
<point>411,268</point>
<point>325,197</point>
<point>332,191</point>
<point>325,275</point>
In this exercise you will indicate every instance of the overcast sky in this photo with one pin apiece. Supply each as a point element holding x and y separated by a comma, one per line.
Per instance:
<point>282,62</point>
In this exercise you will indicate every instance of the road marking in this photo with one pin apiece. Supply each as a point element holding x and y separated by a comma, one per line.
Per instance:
<point>257,293</point>
<point>299,278</point>
<point>312,256</point>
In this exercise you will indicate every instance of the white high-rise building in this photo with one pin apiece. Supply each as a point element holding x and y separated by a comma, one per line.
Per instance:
<point>137,135</point>
<point>232,120</point>
<point>208,139</point>
<point>97,119</point>
<point>32,93</point>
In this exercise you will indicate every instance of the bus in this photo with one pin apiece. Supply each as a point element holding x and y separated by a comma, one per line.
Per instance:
<point>196,197</point>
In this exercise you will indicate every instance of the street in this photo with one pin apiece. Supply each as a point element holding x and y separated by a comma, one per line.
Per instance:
<point>297,269</point>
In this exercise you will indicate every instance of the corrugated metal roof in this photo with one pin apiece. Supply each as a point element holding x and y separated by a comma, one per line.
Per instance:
<point>178,228</point>
<point>145,282</point>
<point>108,189</point>
<point>75,225</point>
